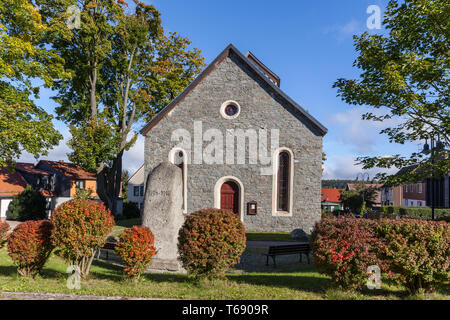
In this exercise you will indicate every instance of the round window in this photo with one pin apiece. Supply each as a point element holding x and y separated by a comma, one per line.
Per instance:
<point>230,109</point>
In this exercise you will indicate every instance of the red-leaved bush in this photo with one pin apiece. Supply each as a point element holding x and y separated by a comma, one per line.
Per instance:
<point>29,246</point>
<point>136,250</point>
<point>81,228</point>
<point>417,252</point>
<point>343,248</point>
<point>4,228</point>
<point>414,253</point>
<point>210,242</point>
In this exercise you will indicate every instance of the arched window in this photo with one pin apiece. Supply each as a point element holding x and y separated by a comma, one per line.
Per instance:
<point>283,178</point>
<point>283,182</point>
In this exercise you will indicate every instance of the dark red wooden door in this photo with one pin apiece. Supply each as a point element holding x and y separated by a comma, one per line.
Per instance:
<point>229,197</point>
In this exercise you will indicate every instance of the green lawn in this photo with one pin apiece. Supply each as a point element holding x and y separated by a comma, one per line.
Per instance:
<point>299,281</point>
<point>269,236</point>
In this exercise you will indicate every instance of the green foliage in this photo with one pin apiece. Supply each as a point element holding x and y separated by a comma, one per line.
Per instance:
<point>125,178</point>
<point>417,253</point>
<point>405,78</point>
<point>353,199</point>
<point>343,248</point>
<point>131,210</point>
<point>123,69</point>
<point>24,126</point>
<point>210,242</point>
<point>416,212</point>
<point>84,194</point>
<point>29,246</point>
<point>414,253</point>
<point>136,250</point>
<point>336,183</point>
<point>27,205</point>
<point>81,228</point>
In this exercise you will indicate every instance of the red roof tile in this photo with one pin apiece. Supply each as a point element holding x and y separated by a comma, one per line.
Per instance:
<point>11,183</point>
<point>29,168</point>
<point>70,170</point>
<point>332,194</point>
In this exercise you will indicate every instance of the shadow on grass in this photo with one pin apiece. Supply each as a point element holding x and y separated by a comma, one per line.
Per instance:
<point>301,282</point>
<point>8,270</point>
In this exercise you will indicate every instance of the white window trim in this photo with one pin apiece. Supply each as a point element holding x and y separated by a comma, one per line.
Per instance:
<point>185,161</point>
<point>225,104</point>
<point>217,188</point>
<point>275,211</point>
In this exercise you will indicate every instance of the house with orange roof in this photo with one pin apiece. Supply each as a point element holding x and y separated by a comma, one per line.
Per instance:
<point>330,199</point>
<point>11,184</point>
<point>68,178</point>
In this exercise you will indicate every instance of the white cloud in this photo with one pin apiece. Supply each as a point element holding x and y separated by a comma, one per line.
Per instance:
<point>360,135</point>
<point>344,167</point>
<point>134,158</point>
<point>347,30</point>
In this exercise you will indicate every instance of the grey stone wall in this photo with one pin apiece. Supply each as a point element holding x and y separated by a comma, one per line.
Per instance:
<point>260,108</point>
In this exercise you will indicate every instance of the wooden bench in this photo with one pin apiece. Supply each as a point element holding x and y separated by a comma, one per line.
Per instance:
<point>274,251</point>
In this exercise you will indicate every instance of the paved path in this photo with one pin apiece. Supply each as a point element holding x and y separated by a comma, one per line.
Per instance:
<point>58,296</point>
<point>12,224</point>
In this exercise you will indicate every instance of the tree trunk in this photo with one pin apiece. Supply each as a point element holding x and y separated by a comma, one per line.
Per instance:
<point>109,181</point>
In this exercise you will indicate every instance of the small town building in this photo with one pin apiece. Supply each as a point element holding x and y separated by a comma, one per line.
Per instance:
<point>331,200</point>
<point>136,188</point>
<point>243,145</point>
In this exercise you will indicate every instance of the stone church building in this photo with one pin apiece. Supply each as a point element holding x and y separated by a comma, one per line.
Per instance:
<point>242,144</point>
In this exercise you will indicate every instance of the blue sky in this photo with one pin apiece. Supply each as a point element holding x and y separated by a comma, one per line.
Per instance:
<point>307,43</point>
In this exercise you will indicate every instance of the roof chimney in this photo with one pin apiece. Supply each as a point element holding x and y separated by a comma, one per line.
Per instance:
<point>266,71</point>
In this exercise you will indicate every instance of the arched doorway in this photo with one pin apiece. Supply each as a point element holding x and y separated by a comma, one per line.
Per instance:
<point>229,196</point>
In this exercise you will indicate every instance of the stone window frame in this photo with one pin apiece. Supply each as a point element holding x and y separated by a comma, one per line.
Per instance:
<point>225,104</point>
<point>275,157</point>
<point>185,173</point>
<point>218,187</point>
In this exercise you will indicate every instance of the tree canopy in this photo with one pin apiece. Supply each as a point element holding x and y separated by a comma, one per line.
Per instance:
<point>405,76</point>
<point>123,68</point>
<point>24,68</point>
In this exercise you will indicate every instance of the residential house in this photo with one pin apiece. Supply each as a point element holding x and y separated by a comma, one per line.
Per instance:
<point>391,196</point>
<point>136,188</point>
<point>11,184</point>
<point>414,194</point>
<point>331,200</point>
<point>238,98</point>
<point>69,178</point>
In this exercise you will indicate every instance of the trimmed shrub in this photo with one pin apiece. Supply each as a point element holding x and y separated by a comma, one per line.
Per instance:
<point>210,242</point>
<point>27,205</point>
<point>29,246</point>
<point>343,248</point>
<point>81,228</point>
<point>417,252</point>
<point>136,250</point>
<point>4,228</point>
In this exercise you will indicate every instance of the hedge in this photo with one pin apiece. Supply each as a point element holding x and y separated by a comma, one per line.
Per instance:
<point>414,253</point>
<point>416,212</point>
